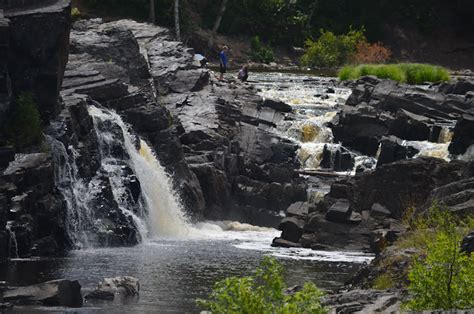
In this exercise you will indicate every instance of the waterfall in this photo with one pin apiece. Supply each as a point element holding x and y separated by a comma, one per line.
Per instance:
<point>13,244</point>
<point>163,214</point>
<point>75,191</point>
<point>156,211</point>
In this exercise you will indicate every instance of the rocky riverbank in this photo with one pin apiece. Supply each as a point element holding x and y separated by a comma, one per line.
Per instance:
<point>393,123</point>
<point>388,120</point>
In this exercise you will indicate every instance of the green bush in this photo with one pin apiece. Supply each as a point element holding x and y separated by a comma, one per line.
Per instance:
<point>441,277</point>
<point>444,280</point>
<point>23,129</point>
<point>410,73</point>
<point>331,50</point>
<point>259,52</point>
<point>262,294</point>
<point>75,14</point>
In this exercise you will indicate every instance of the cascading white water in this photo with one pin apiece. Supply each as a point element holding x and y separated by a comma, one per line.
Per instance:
<point>75,191</point>
<point>163,210</point>
<point>13,242</point>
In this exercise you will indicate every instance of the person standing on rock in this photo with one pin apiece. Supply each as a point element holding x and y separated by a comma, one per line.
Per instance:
<point>223,61</point>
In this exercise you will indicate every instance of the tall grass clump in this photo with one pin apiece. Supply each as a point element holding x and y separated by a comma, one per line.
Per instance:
<point>411,73</point>
<point>262,294</point>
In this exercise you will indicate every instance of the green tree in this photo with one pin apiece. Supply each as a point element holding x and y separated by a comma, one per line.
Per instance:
<point>332,50</point>
<point>442,277</point>
<point>262,294</point>
<point>445,279</point>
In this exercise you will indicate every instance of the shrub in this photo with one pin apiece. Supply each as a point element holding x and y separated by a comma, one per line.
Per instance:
<point>383,282</point>
<point>262,294</point>
<point>441,277</point>
<point>75,14</point>
<point>410,73</point>
<point>259,52</point>
<point>331,50</point>
<point>444,280</point>
<point>371,53</point>
<point>24,126</point>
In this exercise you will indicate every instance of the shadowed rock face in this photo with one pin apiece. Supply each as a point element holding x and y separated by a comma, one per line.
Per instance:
<point>380,108</point>
<point>5,83</point>
<point>38,50</point>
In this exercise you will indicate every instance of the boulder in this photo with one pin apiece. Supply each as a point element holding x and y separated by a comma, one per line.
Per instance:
<point>337,159</point>
<point>339,211</point>
<point>276,105</point>
<point>107,289</point>
<point>392,149</point>
<point>52,293</point>
<point>459,87</point>
<point>298,210</point>
<point>463,135</point>
<point>292,229</point>
<point>279,242</point>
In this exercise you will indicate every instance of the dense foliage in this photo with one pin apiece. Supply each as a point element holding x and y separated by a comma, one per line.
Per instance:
<point>331,50</point>
<point>441,277</point>
<point>298,20</point>
<point>370,53</point>
<point>411,73</point>
<point>260,52</point>
<point>262,294</point>
<point>24,127</point>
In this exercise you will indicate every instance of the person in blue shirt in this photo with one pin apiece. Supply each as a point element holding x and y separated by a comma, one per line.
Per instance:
<point>223,62</point>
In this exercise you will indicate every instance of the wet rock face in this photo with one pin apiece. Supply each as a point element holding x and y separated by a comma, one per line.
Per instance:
<point>463,135</point>
<point>38,51</point>
<point>34,210</point>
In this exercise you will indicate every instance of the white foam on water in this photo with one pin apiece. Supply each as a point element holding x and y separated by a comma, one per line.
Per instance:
<point>429,149</point>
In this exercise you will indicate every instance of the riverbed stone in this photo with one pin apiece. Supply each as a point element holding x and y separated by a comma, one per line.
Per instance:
<point>292,228</point>
<point>125,286</point>
<point>52,293</point>
<point>463,135</point>
<point>339,211</point>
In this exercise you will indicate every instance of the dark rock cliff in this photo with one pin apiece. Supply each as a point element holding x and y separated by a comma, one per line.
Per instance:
<point>38,50</point>
<point>34,42</point>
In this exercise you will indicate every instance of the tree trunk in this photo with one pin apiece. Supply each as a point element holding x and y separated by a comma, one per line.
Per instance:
<point>314,7</point>
<point>176,20</point>
<point>217,23</point>
<point>152,12</point>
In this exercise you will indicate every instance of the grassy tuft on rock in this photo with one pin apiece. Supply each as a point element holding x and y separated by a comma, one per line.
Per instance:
<point>411,73</point>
